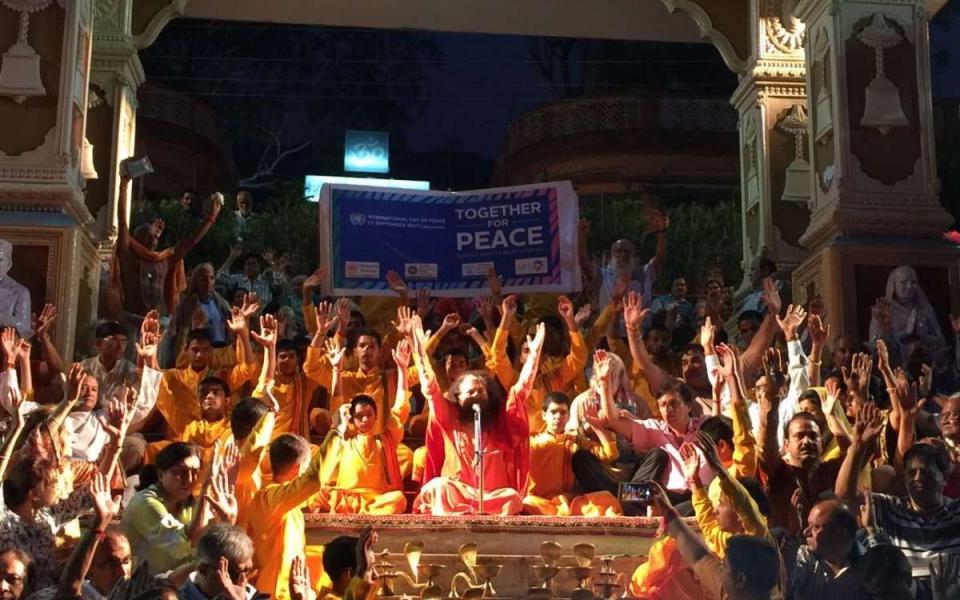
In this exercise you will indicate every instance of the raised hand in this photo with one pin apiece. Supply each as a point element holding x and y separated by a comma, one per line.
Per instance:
<point>237,323</point>
<point>883,359</point>
<point>343,312</point>
<point>224,581</point>
<point>857,377</point>
<point>147,347</point>
<point>222,496</point>
<point>251,305</point>
<point>423,302</point>
<point>451,321</point>
<point>300,586</point>
<point>105,505</point>
<point>633,311</point>
<point>583,314</point>
<point>924,382</point>
<point>315,279</point>
<point>401,355</point>
<point>43,323</point>
<point>819,330</point>
<point>115,423</point>
<point>771,297</point>
<point>690,464</point>
<point>601,365</point>
<point>728,360</point>
<point>396,283</point>
<point>944,576</point>
<point>774,369</point>
<point>326,316</point>
<point>508,308</point>
<point>23,350</point>
<point>791,321</point>
<point>707,331</point>
<point>75,381</point>
<point>365,555</point>
<point>334,351</point>
<point>268,332</point>
<point>869,424</point>
<point>216,203</point>
<point>404,322</point>
<point>880,311</point>
<point>8,342</point>
<point>236,251</point>
<point>833,396</point>
<point>494,283</point>
<point>535,343</point>
<point>710,453</point>
<point>906,393</point>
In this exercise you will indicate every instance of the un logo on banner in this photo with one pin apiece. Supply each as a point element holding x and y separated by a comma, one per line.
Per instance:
<point>358,219</point>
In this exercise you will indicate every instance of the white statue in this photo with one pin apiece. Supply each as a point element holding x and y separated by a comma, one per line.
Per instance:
<point>14,298</point>
<point>905,310</point>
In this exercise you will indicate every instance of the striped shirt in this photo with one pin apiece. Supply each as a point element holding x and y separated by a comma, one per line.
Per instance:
<point>921,536</point>
<point>813,579</point>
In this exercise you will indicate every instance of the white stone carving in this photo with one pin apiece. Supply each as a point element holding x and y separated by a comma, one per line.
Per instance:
<point>883,109</point>
<point>797,184</point>
<point>20,72</point>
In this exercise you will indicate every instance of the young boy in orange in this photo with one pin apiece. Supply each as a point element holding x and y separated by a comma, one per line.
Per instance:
<point>550,481</point>
<point>364,463</point>
<point>275,520</point>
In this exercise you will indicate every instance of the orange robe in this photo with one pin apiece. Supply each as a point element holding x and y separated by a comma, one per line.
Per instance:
<point>556,374</point>
<point>381,385</point>
<point>249,477</point>
<point>368,479</point>
<point>275,523</point>
<point>550,482</point>
<point>506,443</point>
<point>177,397</point>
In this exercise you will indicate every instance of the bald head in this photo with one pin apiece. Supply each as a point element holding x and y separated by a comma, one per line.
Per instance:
<point>831,531</point>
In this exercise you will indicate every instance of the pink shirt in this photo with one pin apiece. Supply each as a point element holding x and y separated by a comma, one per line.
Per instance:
<point>647,434</point>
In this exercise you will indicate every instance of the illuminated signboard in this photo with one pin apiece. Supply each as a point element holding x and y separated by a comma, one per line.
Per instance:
<point>366,152</point>
<point>313,183</point>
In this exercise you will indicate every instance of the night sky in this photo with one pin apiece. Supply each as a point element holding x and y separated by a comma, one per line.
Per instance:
<point>439,94</point>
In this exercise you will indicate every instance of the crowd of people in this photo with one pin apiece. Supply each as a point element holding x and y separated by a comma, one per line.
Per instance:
<point>785,459</point>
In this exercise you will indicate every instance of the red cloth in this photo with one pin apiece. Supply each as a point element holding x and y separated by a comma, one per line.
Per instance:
<point>508,432</point>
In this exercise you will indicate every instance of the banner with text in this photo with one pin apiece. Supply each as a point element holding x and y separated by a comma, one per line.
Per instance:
<point>446,241</point>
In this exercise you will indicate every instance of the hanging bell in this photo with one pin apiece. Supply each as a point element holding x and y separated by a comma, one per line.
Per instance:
<point>883,109</point>
<point>20,73</point>
<point>87,170</point>
<point>796,187</point>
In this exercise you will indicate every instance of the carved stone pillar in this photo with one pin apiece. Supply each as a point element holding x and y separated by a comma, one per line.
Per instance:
<point>873,174</point>
<point>43,99</point>
<point>771,102</point>
<point>116,74</point>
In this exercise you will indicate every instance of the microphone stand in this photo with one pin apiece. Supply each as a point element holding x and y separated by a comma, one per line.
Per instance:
<point>478,452</point>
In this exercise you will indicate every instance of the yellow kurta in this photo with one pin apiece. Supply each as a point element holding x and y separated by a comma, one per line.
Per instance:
<point>364,482</point>
<point>378,384</point>
<point>177,397</point>
<point>275,524</point>
<point>556,374</point>
<point>249,477</point>
<point>205,433</point>
<point>294,399</point>
<point>550,481</point>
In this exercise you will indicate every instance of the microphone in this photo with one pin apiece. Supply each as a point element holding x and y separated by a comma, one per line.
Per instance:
<point>476,408</point>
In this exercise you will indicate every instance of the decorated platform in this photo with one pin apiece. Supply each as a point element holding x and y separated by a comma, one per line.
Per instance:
<point>473,556</point>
